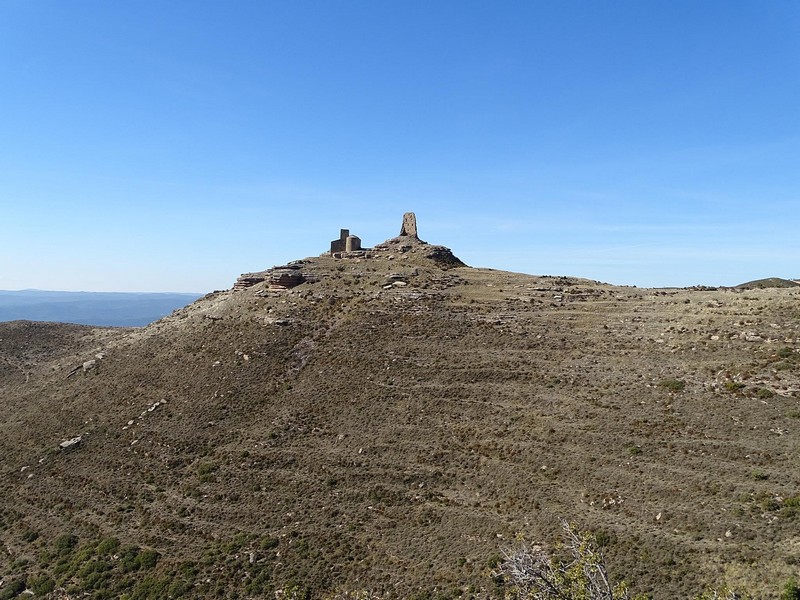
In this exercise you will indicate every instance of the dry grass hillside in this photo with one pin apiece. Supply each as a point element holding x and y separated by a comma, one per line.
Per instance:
<point>391,424</point>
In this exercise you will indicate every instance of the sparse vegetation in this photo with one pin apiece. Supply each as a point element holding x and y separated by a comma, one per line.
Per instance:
<point>673,385</point>
<point>337,438</point>
<point>535,574</point>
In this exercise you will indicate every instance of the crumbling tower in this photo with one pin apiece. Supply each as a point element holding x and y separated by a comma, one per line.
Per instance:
<point>409,227</point>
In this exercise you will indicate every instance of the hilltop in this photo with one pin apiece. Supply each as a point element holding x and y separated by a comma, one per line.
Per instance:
<point>386,420</point>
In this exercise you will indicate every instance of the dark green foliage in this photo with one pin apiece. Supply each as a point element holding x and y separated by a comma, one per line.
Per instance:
<point>65,543</point>
<point>42,585</point>
<point>107,546</point>
<point>791,590</point>
<point>12,589</point>
<point>764,393</point>
<point>30,535</point>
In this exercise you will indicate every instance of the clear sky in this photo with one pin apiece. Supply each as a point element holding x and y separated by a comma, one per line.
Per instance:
<point>170,146</point>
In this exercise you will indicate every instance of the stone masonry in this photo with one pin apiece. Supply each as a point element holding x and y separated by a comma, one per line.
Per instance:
<point>409,227</point>
<point>346,242</point>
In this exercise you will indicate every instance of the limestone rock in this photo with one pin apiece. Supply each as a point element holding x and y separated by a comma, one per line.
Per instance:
<point>286,276</point>
<point>281,277</point>
<point>247,280</point>
<point>71,443</point>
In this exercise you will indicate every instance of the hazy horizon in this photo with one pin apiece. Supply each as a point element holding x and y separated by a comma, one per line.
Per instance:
<point>114,309</point>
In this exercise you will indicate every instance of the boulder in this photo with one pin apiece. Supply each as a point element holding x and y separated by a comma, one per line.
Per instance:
<point>71,443</point>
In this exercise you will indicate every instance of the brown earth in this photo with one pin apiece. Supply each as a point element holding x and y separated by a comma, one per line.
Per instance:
<point>391,424</point>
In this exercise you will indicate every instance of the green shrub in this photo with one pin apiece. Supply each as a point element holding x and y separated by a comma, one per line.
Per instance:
<point>733,386</point>
<point>147,559</point>
<point>66,543</point>
<point>791,507</point>
<point>269,543</point>
<point>534,574</point>
<point>42,585</point>
<point>12,589</point>
<point>107,546</point>
<point>30,535</point>
<point>791,590</point>
<point>127,558</point>
<point>633,449</point>
<point>205,472</point>
<point>673,385</point>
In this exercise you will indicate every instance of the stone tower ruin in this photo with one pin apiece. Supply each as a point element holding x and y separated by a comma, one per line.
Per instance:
<point>409,227</point>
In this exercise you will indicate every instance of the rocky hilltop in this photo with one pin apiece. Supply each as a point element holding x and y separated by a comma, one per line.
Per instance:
<point>387,420</point>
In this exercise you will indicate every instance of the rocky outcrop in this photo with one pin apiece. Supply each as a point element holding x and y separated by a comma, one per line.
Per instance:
<point>281,277</point>
<point>444,257</point>
<point>247,280</point>
<point>286,277</point>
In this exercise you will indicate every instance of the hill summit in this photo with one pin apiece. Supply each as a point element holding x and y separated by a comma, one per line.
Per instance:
<point>383,422</point>
<point>406,247</point>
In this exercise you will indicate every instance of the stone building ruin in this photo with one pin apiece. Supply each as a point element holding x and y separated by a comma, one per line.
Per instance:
<point>346,242</point>
<point>348,246</point>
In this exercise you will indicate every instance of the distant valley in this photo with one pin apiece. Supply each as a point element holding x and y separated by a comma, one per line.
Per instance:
<point>113,309</point>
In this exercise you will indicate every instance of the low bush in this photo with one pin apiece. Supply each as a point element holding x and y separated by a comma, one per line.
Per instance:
<point>673,385</point>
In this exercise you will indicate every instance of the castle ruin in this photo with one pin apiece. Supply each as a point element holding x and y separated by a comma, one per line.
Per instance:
<point>346,242</point>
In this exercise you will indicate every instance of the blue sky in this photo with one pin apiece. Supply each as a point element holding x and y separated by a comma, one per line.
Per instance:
<point>170,146</point>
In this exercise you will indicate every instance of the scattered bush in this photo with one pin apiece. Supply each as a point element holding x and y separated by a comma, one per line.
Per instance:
<point>791,591</point>
<point>42,585</point>
<point>66,543</point>
<point>205,472</point>
<point>30,535</point>
<point>534,574</point>
<point>764,393</point>
<point>673,385</point>
<point>13,589</point>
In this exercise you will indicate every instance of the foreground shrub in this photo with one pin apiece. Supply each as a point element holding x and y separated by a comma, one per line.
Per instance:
<point>534,574</point>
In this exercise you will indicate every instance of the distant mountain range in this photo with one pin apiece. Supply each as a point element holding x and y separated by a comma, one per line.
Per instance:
<point>116,309</point>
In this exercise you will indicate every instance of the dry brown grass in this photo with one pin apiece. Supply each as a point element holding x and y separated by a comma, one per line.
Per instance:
<point>343,437</point>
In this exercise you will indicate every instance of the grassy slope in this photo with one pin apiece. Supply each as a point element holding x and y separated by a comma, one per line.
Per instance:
<point>345,436</point>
